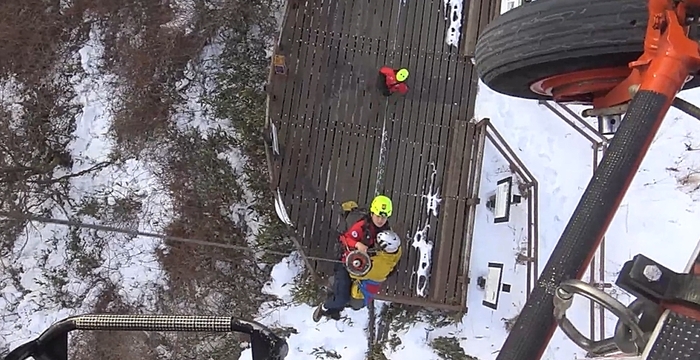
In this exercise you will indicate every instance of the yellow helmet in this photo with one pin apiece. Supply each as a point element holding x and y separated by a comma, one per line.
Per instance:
<point>381,206</point>
<point>402,75</point>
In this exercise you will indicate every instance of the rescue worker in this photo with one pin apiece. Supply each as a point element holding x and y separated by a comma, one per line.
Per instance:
<point>383,263</point>
<point>391,81</point>
<point>360,236</point>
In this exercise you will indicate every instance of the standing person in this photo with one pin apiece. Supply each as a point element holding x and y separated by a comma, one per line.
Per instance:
<point>392,80</point>
<point>361,236</point>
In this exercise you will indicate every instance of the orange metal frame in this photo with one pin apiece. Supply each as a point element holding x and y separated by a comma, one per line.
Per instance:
<point>669,57</point>
<point>668,60</point>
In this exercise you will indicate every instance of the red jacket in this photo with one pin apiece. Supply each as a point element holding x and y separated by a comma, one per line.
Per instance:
<point>391,83</point>
<point>357,233</point>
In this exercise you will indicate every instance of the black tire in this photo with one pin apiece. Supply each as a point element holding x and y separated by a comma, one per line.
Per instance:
<point>545,38</point>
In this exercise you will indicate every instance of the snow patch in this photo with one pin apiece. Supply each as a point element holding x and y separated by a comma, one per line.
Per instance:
<point>453,14</point>
<point>383,150</point>
<point>425,249</point>
<point>197,114</point>
<point>433,195</point>
<point>194,113</point>
<point>11,97</point>
<point>184,12</point>
<point>346,337</point>
<point>42,253</point>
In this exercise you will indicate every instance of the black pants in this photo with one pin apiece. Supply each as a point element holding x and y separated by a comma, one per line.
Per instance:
<point>381,85</point>
<point>341,289</point>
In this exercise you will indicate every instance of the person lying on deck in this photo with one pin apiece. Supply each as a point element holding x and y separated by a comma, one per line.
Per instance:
<point>362,236</point>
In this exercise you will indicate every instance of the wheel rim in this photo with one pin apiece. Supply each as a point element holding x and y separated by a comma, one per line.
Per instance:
<point>581,86</point>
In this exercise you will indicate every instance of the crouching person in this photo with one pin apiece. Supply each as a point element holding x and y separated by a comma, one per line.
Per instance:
<point>360,236</point>
<point>388,254</point>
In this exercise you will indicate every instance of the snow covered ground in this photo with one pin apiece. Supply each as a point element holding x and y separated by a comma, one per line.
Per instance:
<point>660,208</point>
<point>129,262</point>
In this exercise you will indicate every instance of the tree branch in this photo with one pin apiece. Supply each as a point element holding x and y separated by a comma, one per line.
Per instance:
<point>96,167</point>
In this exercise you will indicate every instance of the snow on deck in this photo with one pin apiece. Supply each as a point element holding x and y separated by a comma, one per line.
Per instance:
<point>453,15</point>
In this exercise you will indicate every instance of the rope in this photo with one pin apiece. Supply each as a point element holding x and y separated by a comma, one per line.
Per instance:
<point>47,220</point>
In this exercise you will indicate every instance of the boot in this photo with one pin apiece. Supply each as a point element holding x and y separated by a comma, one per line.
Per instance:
<point>321,311</point>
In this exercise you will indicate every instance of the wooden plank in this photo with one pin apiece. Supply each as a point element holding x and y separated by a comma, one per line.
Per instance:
<point>399,39</point>
<point>310,204</point>
<point>456,155</point>
<point>472,26</point>
<point>353,103</point>
<point>436,70</point>
<point>455,258</point>
<point>299,209</point>
<point>444,274</point>
<point>369,111</point>
<point>290,47</point>
<point>364,115</point>
<point>414,175</point>
<point>397,145</point>
<point>299,133</point>
<point>462,231</point>
<point>433,101</point>
<point>331,135</point>
<point>414,301</point>
<point>373,111</point>
<point>347,186</point>
<point>276,88</point>
<point>302,187</point>
<point>459,232</point>
<point>396,54</point>
<point>333,87</point>
<point>448,210</point>
<point>313,194</point>
<point>397,158</point>
<point>339,99</point>
<point>385,30</point>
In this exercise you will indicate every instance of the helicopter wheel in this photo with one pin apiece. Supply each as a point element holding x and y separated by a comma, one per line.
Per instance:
<point>564,50</point>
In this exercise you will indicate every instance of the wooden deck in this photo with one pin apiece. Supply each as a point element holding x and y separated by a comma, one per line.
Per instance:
<point>339,139</point>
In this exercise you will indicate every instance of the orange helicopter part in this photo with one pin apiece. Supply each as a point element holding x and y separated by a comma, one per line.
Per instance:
<point>667,59</point>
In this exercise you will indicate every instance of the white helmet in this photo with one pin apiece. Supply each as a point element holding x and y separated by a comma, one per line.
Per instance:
<point>388,241</point>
